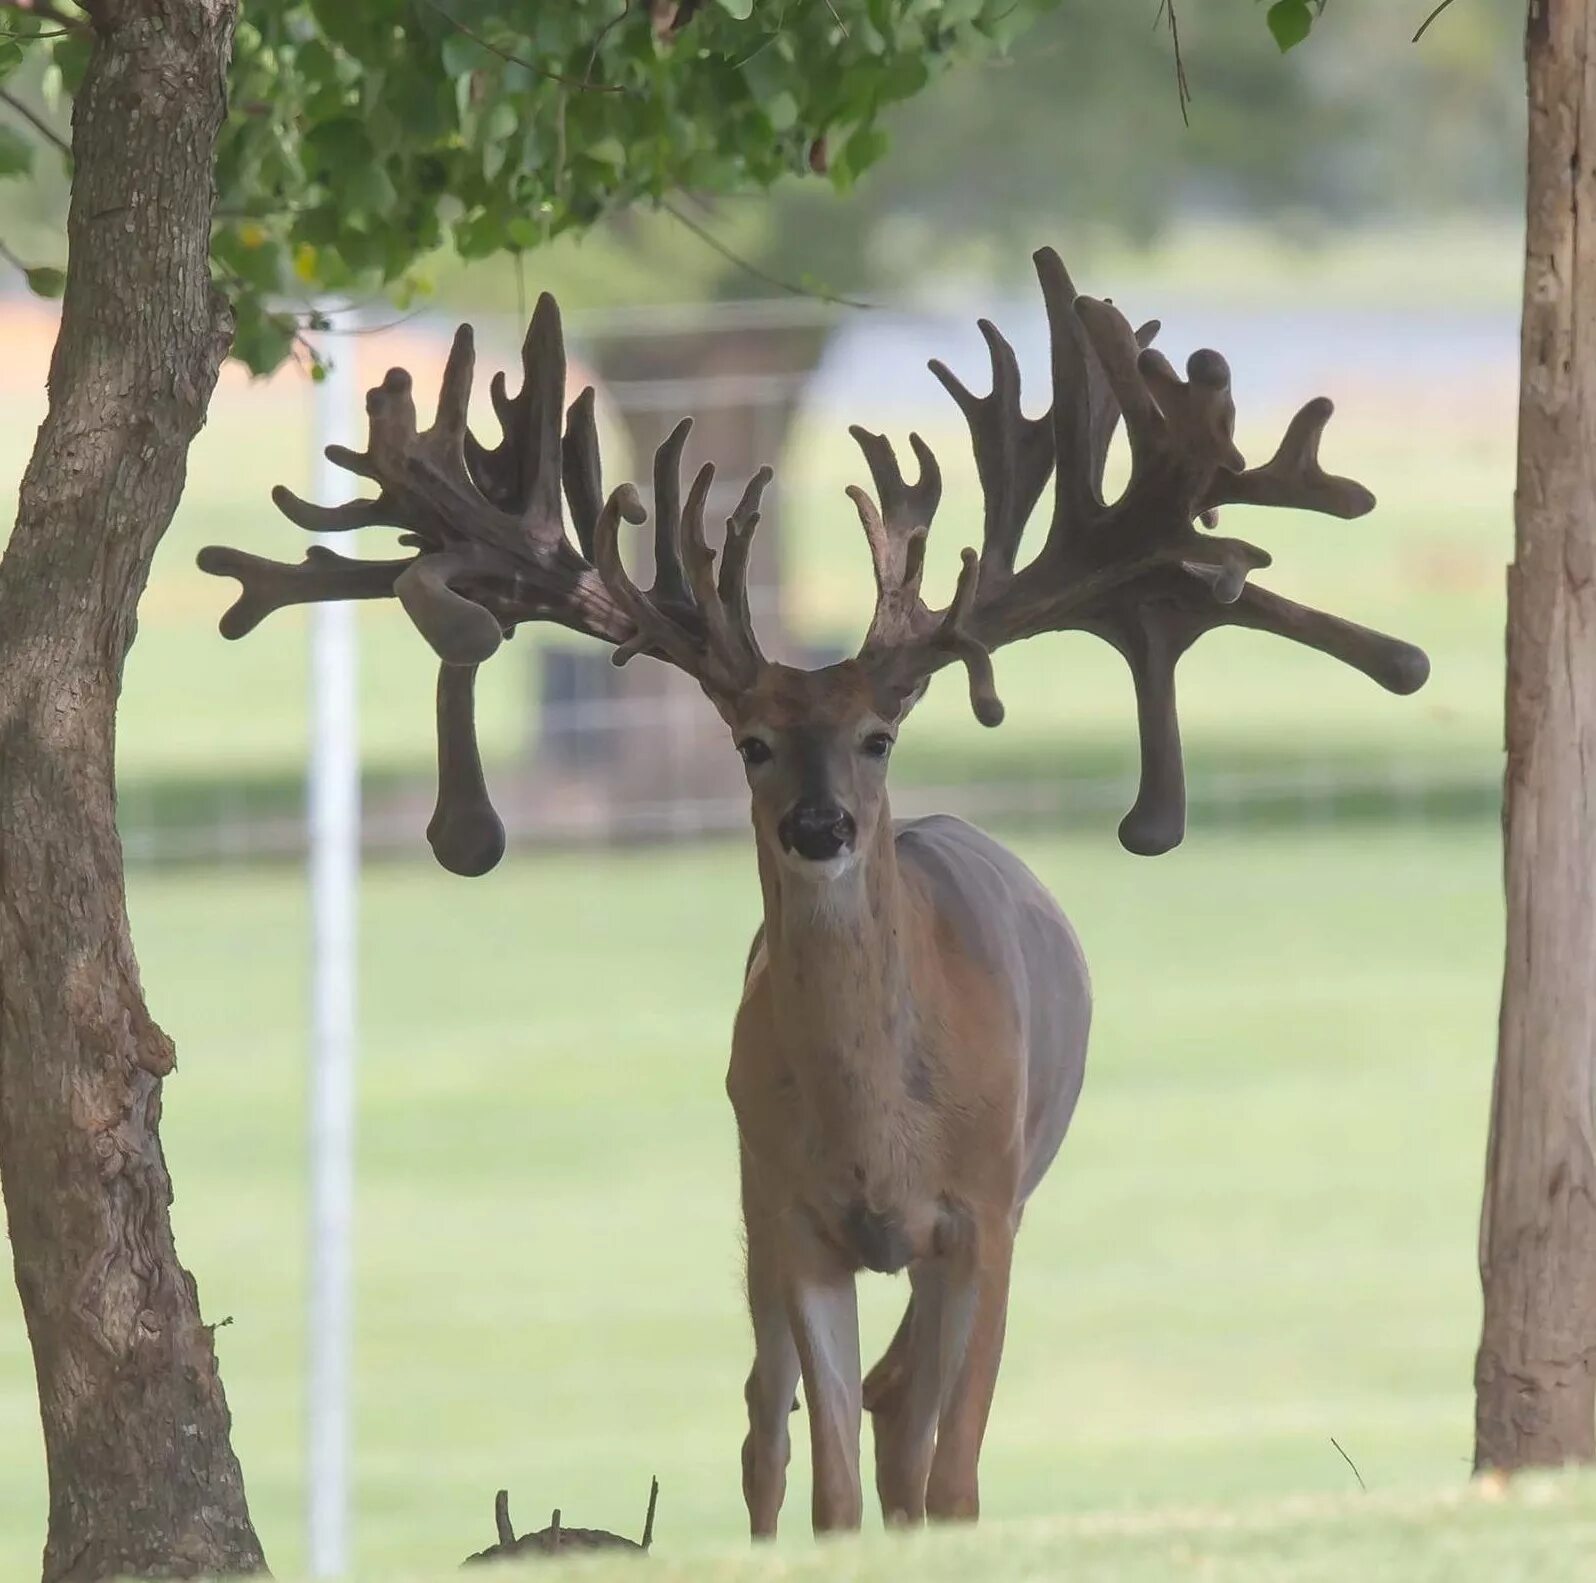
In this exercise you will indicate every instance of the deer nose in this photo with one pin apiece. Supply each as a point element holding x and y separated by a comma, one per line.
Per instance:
<point>816,830</point>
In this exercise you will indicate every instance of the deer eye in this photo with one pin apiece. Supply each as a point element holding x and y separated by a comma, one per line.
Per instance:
<point>877,745</point>
<point>755,750</point>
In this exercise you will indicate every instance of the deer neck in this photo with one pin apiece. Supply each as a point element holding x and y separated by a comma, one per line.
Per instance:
<point>843,957</point>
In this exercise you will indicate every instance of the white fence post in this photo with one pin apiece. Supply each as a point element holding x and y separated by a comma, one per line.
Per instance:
<point>334,820</point>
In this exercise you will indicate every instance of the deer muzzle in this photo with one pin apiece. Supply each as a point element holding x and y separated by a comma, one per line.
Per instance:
<point>816,831</point>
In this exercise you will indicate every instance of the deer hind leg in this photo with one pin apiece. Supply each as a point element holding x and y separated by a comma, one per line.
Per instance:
<point>904,1395</point>
<point>976,1312</point>
<point>771,1381</point>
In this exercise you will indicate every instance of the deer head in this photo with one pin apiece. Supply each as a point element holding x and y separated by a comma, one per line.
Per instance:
<point>1141,571</point>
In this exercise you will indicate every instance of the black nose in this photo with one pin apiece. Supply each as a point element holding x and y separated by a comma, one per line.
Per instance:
<point>816,830</point>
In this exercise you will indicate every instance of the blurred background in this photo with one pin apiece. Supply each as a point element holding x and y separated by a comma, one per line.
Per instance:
<point>1260,1233</point>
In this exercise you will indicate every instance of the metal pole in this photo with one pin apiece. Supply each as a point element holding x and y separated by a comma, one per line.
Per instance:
<point>334,815</point>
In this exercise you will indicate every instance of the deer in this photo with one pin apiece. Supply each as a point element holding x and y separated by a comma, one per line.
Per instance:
<point>910,1042</point>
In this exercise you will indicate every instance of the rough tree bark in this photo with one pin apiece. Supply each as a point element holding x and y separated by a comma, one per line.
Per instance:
<point>1535,1377</point>
<point>143,1480</point>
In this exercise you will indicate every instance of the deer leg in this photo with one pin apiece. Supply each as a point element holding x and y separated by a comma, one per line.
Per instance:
<point>822,1306</point>
<point>906,1400</point>
<point>771,1381</point>
<point>976,1312</point>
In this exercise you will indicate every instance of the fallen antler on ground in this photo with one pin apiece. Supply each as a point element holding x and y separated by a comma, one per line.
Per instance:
<point>556,1538</point>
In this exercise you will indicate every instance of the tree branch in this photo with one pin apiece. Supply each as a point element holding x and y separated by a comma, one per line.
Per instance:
<point>37,122</point>
<point>1166,9</point>
<point>714,243</point>
<point>517,60</point>
<point>41,8</point>
<point>1424,26</point>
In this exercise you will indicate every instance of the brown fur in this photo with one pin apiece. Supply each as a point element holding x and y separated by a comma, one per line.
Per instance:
<point>879,1078</point>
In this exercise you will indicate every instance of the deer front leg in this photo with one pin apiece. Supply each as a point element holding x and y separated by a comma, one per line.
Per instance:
<point>823,1309</point>
<point>773,1377</point>
<point>976,1304</point>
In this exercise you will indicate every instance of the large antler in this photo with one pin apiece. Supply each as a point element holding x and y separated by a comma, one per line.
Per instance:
<point>490,541</point>
<point>492,552</point>
<point>1136,571</point>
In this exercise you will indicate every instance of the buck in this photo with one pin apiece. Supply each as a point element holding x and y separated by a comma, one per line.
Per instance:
<point>911,1039</point>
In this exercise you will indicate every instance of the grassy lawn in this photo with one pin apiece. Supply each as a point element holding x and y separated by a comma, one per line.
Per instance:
<point>1259,1235</point>
<point>1541,1531</point>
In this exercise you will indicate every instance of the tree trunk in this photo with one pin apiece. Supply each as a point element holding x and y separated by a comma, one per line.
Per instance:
<point>143,1479</point>
<point>1535,1378</point>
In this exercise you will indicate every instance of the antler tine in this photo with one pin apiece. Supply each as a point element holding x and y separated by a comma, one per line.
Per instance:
<point>1396,666</point>
<point>1293,476</point>
<point>896,533</point>
<point>655,630</point>
<point>582,470</point>
<point>623,505</point>
<point>905,660</point>
<point>694,555</point>
<point>1152,649</point>
<point>670,579</point>
<point>266,585</point>
<point>698,624</point>
<point>465,833</point>
<point>732,589</point>
<point>1084,411</point>
<point>522,473</point>
<point>1013,454</point>
<point>954,635</point>
<point>327,519</point>
<point>1118,353</point>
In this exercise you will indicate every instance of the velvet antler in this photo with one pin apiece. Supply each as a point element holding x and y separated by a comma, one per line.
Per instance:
<point>697,621</point>
<point>1137,571</point>
<point>492,551</point>
<point>490,542</point>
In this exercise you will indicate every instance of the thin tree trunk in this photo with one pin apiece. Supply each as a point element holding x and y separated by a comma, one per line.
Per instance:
<point>1535,1377</point>
<point>143,1480</point>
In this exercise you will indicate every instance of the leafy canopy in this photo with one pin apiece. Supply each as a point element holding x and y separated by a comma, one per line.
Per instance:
<point>364,138</point>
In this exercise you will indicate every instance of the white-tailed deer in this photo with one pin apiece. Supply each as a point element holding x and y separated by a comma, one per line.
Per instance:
<point>912,1034</point>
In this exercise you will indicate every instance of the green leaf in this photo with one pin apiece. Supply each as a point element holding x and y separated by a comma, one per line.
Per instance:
<point>463,55</point>
<point>16,153</point>
<point>741,9</point>
<point>782,109</point>
<point>44,281</point>
<point>261,340</point>
<point>861,151</point>
<point>344,23</point>
<point>340,149</point>
<point>1290,21</point>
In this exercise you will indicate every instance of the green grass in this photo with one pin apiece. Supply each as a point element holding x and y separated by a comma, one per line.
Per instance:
<point>1258,1236</point>
<point>1541,1531</point>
